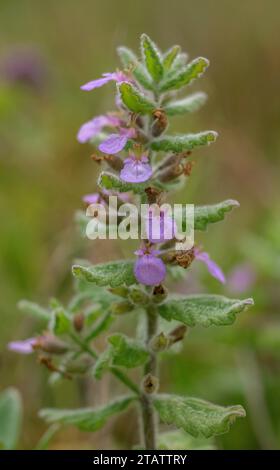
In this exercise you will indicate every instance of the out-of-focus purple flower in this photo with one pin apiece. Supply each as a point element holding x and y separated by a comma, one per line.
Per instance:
<point>160,226</point>
<point>136,169</point>
<point>115,143</point>
<point>22,347</point>
<point>241,278</point>
<point>106,77</point>
<point>148,269</point>
<point>212,267</point>
<point>93,127</point>
<point>24,64</point>
<point>96,198</point>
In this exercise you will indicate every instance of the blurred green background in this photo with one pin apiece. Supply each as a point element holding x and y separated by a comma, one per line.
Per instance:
<point>45,172</point>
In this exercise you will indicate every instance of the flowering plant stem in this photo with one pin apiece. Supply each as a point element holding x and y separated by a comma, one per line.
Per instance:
<point>142,165</point>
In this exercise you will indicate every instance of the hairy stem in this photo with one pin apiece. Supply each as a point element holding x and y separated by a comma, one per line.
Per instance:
<point>149,424</point>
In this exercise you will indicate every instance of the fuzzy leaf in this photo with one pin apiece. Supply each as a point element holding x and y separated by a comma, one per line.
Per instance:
<point>87,419</point>
<point>110,181</point>
<point>126,351</point>
<point>130,61</point>
<point>187,105</point>
<point>183,143</point>
<point>203,309</point>
<point>196,416</point>
<point>112,274</point>
<point>134,100</point>
<point>204,215</point>
<point>152,58</point>
<point>186,75</point>
<point>30,308</point>
<point>170,56</point>
<point>101,326</point>
<point>102,364</point>
<point>10,418</point>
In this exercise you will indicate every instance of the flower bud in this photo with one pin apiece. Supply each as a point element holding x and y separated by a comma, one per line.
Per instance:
<point>159,342</point>
<point>150,384</point>
<point>170,173</point>
<point>50,344</point>
<point>160,122</point>
<point>177,334</point>
<point>78,321</point>
<point>121,291</point>
<point>118,308</point>
<point>159,293</point>
<point>153,195</point>
<point>138,296</point>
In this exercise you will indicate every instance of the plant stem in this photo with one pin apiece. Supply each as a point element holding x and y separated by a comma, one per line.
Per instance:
<point>149,424</point>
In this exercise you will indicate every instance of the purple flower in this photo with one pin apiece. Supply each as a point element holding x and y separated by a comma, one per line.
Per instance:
<point>22,347</point>
<point>241,278</point>
<point>106,77</point>
<point>136,169</point>
<point>212,267</point>
<point>149,269</point>
<point>115,143</point>
<point>92,198</point>
<point>159,226</point>
<point>93,127</point>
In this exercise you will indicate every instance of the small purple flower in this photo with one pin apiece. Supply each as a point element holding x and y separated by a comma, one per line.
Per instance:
<point>93,127</point>
<point>136,169</point>
<point>148,269</point>
<point>22,347</point>
<point>241,278</point>
<point>160,226</point>
<point>106,77</point>
<point>212,267</point>
<point>115,143</point>
<point>92,198</point>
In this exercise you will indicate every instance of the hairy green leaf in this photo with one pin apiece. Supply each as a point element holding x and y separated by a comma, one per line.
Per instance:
<point>196,416</point>
<point>103,363</point>
<point>88,419</point>
<point>204,215</point>
<point>182,143</point>
<point>134,100</point>
<point>127,352</point>
<point>130,61</point>
<point>170,56</point>
<point>112,274</point>
<point>60,322</point>
<point>101,326</point>
<point>203,309</point>
<point>187,105</point>
<point>152,58</point>
<point>185,76</point>
<point>110,181</point>
<point>30,308</point>
<point>10,418</point>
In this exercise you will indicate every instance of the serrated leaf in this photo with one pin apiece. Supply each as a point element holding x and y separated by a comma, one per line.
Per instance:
<point>134,99</point>
<point>112,274</point>
<point>204,215</point>
<point>130,61</point>
<point>196,416</point>
<point>88,419</point>
<point>10,418</point>
<point>170,56</point>
<point>127,352</point>
<point>30,308</point>
<point>152,58</point>
<point>110,181</point>
<point>203,309</point>
<point>184,76</point>
<point>182,143</point>
<point>187,105</point>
